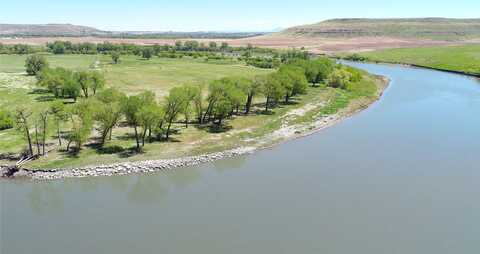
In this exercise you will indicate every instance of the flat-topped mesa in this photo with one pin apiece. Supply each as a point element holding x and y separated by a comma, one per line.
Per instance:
<point>415,28</point>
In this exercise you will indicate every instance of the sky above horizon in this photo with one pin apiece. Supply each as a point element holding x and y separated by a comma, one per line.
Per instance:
<point>218,15</point>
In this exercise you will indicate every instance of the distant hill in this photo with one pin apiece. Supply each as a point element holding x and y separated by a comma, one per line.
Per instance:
<point>68,30</point>
<point>48,30</point>
<point>418,28</point>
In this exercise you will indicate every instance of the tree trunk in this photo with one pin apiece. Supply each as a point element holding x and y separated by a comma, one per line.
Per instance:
<point>36,139</point>
<point>249,103</point>
<point>27,132</point>
<point>104,137</point>
<point>266,103</point>
<point>136,138</point>
<point>144,134</point>
<point>68,145</point>
<point>168,130</point>
<point>44,134</point>
<point>58,134</point>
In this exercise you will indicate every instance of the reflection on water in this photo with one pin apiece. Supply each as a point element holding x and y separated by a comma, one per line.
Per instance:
<point>400,177</point>
<point>48,197</point>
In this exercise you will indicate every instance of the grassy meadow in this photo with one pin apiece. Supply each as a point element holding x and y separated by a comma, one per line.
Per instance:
<point>134,75</point>
<point>453,58</point>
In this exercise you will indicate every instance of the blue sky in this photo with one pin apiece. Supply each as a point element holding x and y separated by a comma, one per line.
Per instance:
<point>218,15</point>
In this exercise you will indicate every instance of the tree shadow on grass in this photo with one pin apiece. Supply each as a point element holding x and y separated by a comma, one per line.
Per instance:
<point>45,98</point>
<point>265,112</point>
<point>39,91</point>
<point>214,128</point>
<point>106,149</point>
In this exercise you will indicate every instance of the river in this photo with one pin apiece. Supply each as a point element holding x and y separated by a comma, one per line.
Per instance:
<point>400,177</point>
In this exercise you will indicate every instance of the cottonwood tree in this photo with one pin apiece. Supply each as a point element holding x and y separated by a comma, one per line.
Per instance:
<point>22,121</point>
<point>81,121</point>
<point>174,104</point>
<point>131,105</point>
<point>273,90</point>
<point>108,112</point>
<point>339,78</point>
<point>115,57</point>
<point>148,117</point>
<point>198,104</point>
<point>147,53</point>
<point>58,110</point>
<point>43,124</point>
<point>35,63</point>
<point>252,88</point>
<point>97,81</point>
<point>192,96</point>
<point>293,80</point>
<point>84,81</point>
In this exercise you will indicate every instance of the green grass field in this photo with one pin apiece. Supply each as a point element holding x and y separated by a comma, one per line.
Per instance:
<point>133,75</point>
<point>453,58</point>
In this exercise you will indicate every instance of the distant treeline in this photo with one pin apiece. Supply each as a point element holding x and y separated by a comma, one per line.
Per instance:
<point>253,56</point>
<point>183,35</point>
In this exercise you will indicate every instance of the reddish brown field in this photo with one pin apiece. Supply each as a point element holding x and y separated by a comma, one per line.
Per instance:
<point>315,45</point>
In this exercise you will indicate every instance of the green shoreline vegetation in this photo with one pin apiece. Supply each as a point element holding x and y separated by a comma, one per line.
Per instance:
<point>81,107</point>
<point>463,59</point>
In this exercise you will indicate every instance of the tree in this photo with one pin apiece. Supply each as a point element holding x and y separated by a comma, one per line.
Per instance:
<point>130,107</point>
<point>198,104</point>
<point>81,118</point>
<point>253,88</point>
<point>35,63</point>
<point>108,111</point>
<point>147,53</point>
<point>43,127</point>
<point>293,80</point>
<point>174,104</point>
<point>222,109</point>
<point>83,78</point>
<point>97,81</point>
<point>178,45</point>
<point>192,95</point>
<point>224,46</point>
<point>134,109</point>
<point>115,57</point>
<point>22,120</point>
<point>59,81</point>
<point>272,89</point>
<point>58,47</point>
<point>339,78</point>
<point>191,45</point>
<point>57,109</point>
<point>212,45</point>
<point>147,117</point>
<point>324,67</point>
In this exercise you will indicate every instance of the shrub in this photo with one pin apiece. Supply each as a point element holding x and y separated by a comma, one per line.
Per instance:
<point>6,120</point>
<point>35,63</point>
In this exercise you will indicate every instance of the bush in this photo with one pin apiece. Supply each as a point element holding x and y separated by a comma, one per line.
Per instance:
<point>6,120</point>
<point>35,63</point>
<point>356,58</point>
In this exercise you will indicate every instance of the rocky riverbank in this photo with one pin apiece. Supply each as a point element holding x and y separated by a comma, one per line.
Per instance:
<point>123,168</point>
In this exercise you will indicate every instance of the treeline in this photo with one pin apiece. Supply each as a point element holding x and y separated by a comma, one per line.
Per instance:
<point>102,110</point>
<point>67,47</point>
<point>19,49</point>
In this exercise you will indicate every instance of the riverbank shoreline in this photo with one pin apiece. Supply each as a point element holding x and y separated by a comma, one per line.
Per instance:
<point>474,75</point>
<point>151,166</point>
